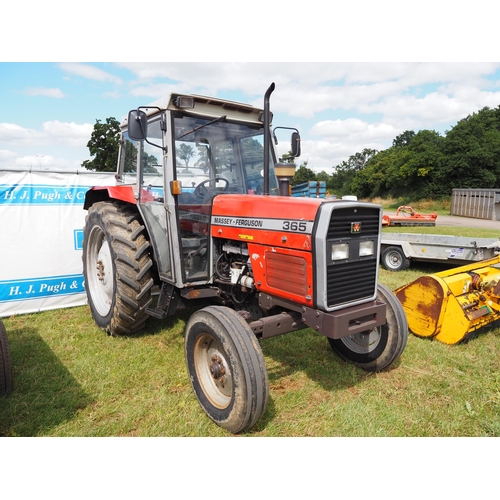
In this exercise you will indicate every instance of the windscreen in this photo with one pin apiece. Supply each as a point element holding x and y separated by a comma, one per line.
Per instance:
<point>219,155</point>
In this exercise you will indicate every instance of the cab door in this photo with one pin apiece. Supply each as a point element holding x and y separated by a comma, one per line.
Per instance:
<point>151,197</point>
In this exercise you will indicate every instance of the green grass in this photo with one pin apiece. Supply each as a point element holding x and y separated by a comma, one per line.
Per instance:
<point>70,379</point>
<point>472,232</point>
<point>441,207</point>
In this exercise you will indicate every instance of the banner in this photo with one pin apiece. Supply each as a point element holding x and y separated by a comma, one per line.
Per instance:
<point>41,220</point>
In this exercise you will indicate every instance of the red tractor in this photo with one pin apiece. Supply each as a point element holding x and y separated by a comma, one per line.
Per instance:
<point>201,218</point>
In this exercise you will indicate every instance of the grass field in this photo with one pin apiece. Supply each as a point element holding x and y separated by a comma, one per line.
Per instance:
<point>70,379</point>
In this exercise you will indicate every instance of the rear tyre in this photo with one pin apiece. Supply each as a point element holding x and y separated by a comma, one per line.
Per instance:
<point>5,363</point>
<point>117,267</point>
<point>226,367</point>
<point>394,259</point>
<point>375,350</point>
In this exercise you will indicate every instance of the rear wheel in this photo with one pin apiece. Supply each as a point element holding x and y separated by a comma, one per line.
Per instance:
<point>5,363</point>
<point>374,350</point>
<point>226,367</point>
<point>394,259</point>
<point>116,267</point>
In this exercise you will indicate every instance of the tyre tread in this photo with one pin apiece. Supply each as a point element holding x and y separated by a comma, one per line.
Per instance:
<point>244,410</point>
<point>133,266</point>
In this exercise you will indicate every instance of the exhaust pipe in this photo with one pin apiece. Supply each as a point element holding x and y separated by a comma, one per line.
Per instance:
<point>267,136</point>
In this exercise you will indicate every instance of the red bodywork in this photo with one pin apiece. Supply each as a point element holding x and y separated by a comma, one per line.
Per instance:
<point>122,193</point>
<point>282,260</point>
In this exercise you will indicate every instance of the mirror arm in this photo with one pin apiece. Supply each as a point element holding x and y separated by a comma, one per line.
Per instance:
<point>297,138</point>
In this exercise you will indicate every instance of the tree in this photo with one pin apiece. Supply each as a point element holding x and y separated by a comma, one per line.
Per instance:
<point>303,174</point>
<point>472,149</point>
<point>185,152</point>
<point>378,175</point>
<point>404,139</point>
<point>104,145</point>
<point>346,171</point>
<point>421,175</point>
<point>410,168</point>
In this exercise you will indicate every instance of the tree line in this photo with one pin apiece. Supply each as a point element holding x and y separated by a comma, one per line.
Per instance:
<point>418,165</point>
<point>421,165</point>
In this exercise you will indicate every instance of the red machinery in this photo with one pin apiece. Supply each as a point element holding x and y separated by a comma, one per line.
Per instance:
<point>201,214</point>
<point>406,216</point>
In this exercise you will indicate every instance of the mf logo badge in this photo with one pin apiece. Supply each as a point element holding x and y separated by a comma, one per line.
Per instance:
<point>355,227</point>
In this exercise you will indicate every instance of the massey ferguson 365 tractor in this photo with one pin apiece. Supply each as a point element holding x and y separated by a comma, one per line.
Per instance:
<point>201,218</point>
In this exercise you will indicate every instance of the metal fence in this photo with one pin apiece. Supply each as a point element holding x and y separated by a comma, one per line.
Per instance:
<point>476,203</point>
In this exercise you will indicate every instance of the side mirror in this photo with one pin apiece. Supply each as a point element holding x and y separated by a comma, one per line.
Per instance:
<point>137,125</point>
<point>295,146</point>
<point>295,143</point>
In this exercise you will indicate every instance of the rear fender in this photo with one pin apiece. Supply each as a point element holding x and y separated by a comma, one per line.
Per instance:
<point>105,193</point>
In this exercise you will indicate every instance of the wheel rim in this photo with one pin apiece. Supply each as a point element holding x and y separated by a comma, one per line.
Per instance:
<point>100,271</point>
<point>212,370</point>
<point>393,260</point>
<point>363,342</point>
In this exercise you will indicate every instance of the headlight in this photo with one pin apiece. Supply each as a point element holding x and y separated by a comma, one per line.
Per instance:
<point>340,251</point>
<point>366,248</point>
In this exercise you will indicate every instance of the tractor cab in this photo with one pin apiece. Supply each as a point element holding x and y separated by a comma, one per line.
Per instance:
<point>177,156</point>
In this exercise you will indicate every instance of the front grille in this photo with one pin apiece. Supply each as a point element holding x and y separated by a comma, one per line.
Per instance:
<point>341,219</point>
<point>351,281</point>
<point>356,278</point>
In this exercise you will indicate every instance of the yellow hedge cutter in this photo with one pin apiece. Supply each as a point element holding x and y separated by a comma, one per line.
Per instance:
<point>450,305</point>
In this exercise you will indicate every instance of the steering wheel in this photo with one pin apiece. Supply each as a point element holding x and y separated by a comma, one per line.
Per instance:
<point>201,190</point>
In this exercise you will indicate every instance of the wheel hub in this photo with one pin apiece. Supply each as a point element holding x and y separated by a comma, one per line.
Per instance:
<point>100,270</point>
<point>213,371</point>
<point>363,342</point>
<point>100,281</point>
<point>217,369</point>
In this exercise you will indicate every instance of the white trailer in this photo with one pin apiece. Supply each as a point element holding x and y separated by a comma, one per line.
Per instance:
<point>399,249</point>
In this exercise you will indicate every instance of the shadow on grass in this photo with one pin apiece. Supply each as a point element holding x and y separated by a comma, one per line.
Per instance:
<point>176,322</point>
<point>309,352</point>
<point>45,394</point>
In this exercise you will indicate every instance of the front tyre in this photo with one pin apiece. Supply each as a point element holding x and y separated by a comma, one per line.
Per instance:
<point>116,267</point>
<point>226,367</point>
<point>374,350</point>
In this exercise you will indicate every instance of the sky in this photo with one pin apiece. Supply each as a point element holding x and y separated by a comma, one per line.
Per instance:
<point>350,77</point>
<point>48,109</point>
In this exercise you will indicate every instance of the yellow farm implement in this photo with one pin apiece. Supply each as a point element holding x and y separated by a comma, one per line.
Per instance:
<point>448,306</point>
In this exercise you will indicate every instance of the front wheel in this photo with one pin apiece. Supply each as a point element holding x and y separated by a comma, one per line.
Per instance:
<point>226,367</point>
<point>374,350</point>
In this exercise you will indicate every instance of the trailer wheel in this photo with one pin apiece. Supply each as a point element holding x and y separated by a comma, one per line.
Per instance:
<point>116,267</point>
<point>226,367</point>
<point>394,259</point>
<point>376,349</point>
<point>5,363</point>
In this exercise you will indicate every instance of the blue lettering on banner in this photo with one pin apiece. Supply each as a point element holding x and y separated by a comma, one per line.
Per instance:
<point>37,288</point>
<point>78,238</point>
<point>41,194</point>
